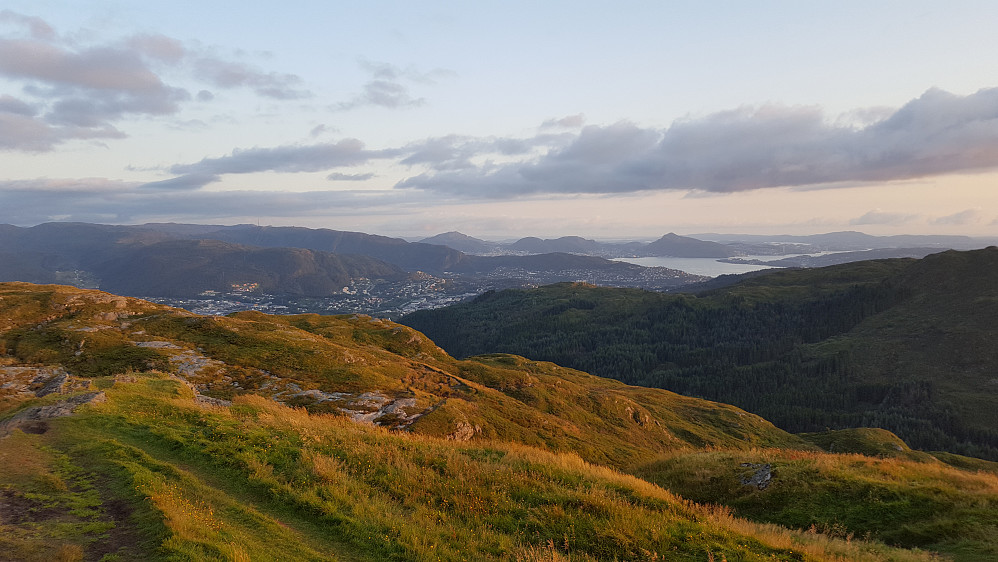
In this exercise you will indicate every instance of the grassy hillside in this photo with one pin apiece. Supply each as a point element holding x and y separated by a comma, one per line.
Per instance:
<point>133,431</point>
<point>371,370</point>
<point>896,500</point>
<point>905,345</point>
<point>151,474</point>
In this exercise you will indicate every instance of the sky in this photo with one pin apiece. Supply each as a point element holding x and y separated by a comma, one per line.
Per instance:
<point>609,120</point>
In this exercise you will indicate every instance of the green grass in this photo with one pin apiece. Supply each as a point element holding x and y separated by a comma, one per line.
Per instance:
<point>915,503</point>
<point>501,396</point>
<point>52,511</point>
<point>905,345</point>
<point>261,481</point>
<point>153,474</point>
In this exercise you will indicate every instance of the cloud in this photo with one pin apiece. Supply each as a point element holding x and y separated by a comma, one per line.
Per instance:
<point>441,153</point>
<point>27,133</point>
<point>749,148</point>
<point>228,74</point>
<point>37,27</point>
<point>285,159</point>
<point>349,177</point>
<point>97,68</point>
<point>387,87</point>
<point>320,129</point>
<point>10,104</point>
<point>968,216</point>
<point>568,122</point>
<point>186,182</point>
<point>877,216</point>
<point>29,202</point>
<point>456,152</point>
<point>159,47</point>
<point>83,91</point>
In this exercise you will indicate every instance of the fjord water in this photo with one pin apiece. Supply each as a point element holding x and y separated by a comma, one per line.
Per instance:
<point>701,266</point>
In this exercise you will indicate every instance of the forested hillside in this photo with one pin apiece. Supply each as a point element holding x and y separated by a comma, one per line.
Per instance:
<point>906,345</point>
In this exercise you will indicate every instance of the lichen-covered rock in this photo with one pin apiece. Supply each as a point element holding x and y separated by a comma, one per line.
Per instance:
<point>59,409</point>
<point>760,478</point>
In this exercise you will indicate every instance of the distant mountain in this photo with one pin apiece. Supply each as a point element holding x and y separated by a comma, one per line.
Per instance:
<point>565,244</point>
<point>141,261</point>
<point>670,245</point>
<point>840,257</point>
<point>462,243</point>
<point>408,255</point>
<point>25,267</point>
<point>51,248</point>
<point>480,265</point>
<point>556,267</point>
<point>851,240</point>
<point>673,245</point>
<point>178,260</point>
<point>178,268</point>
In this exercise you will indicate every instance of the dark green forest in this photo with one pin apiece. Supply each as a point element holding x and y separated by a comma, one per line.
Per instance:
<point>905,345</point>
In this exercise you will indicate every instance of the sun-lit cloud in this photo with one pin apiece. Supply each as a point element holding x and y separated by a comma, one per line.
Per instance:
<point>82,91</point>
<point>389,86</point>
<point>567,122</point>
<point>36,27</point>
<point>107,200</point>
<point>739,150</point>
<point>749,148</point>
<point>230,74</point>
<point>440,153</point>
<point>968,216</point>
<point>878,217</point>
<point>287,159</point>
<point>336,176</point>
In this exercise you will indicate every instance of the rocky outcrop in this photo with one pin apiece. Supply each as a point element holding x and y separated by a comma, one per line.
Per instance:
<point>32,419</point>
<point>760,477</point>
<point>464,431</point>
<point>38,381</point>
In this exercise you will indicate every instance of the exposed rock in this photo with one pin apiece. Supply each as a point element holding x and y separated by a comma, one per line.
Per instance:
<point>38,381</point>
<point>464,432</point>
<point>760,478</point>
<point>202,399</point>
<point>31,416</point>
<point>54,384</point>
<point>157,344</point>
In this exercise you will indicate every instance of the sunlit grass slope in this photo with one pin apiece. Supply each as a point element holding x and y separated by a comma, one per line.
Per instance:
<point>905,345</point>
<point>895,499</point>
<point>152,474</point>
<point>238,438</point>
<point>342,364</point>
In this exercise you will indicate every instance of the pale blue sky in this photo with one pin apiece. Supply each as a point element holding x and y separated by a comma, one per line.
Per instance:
<point>503,118</point>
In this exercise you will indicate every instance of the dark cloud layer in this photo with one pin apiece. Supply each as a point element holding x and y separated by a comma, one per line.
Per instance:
<point>748,148</point>
<point>29,202</point>
<point>82,91</point>
<point>443,153</point>
<point>291,158</point>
